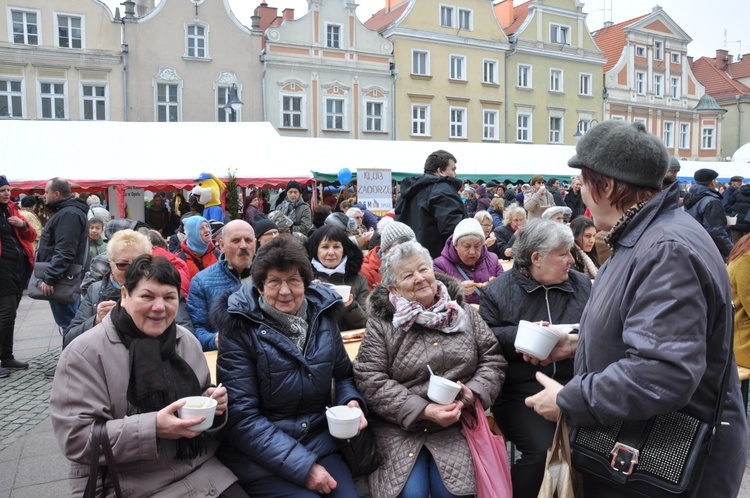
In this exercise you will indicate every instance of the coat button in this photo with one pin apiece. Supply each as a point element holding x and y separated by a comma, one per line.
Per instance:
<point>304,424</point>
<point>436,344</point>
<point>309,376</point>
<point>263,332</point>
<point>425,429</point>
<point>411,454</point>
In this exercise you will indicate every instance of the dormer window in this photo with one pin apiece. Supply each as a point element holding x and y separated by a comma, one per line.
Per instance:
<point>333,36</point>
<point>197,41</point>
<point>559,34</point>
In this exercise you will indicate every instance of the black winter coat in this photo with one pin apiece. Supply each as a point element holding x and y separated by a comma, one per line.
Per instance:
<point>505,239</point>
<point>277,423</point>
<point>63,241</point>
<point>431,206</point>
<point>575,203</point>
<point>704,204</point>
<point>512,297</point>
<point>739,205</point>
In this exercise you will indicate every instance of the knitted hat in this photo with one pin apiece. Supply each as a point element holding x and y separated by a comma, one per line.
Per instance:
<point>674,164</point>
<point>467,226</point>
<point>341,221</point>
<point>481,190</point>
<point>705,175</point>
<point>395,233</point>
<point>281,220</point>
<point>262,226</point>
<point>623,151</point>
<point>294,184</point>
<point>469,190</point>
<point>3,181</point>
<point>555,210</point>
<point>193,232</point>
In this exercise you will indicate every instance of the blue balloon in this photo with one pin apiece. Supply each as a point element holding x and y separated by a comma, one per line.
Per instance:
<point>345,176</point>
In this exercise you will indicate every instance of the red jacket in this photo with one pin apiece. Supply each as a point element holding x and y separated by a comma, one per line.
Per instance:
<point>180,265</point>
<point>371,268</point>
<point>197,263</point>
<point>26,237</point>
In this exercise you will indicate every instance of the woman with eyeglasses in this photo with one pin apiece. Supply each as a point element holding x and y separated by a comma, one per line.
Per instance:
<point>281,351</point>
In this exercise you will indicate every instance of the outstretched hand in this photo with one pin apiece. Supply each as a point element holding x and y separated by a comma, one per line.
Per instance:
<point>545,401</point>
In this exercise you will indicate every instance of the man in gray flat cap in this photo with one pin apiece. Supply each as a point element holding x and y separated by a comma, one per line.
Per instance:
<point>703,203</point>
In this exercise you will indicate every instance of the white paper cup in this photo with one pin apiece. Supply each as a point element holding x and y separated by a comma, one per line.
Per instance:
<point>535,340</point>
<point>343,421</point>
<point>193,407</point>
<point>344,291</point>
<point>732,220</point>
<point>441,390</point>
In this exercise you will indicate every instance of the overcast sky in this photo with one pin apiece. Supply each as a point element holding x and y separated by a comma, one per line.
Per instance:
<point>703,20</point>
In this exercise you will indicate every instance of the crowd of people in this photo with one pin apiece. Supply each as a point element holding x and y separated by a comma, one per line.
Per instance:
<point>428,284</point>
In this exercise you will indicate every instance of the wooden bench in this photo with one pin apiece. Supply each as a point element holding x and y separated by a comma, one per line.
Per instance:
<point>744,375</point>
<point>211,360</point>
<point>352,341</point>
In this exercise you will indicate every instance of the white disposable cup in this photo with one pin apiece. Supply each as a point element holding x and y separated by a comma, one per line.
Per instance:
<point>343,421</point>
<point>344,291</point>
<point>441,390</point>
<point>732,220</point>
<point>535,340</point>
<point>193,407</point>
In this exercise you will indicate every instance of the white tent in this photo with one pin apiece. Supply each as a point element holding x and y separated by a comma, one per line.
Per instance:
<point>742,155</point>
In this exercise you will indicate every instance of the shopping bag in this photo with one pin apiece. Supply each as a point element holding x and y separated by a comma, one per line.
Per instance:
<point>560,479</point>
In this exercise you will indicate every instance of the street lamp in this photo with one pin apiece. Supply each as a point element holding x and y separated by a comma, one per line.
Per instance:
<point>578,133</point>
<point>234,104</point>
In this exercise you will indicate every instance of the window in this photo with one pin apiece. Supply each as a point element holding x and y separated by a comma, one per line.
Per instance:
<point>618,118</point>
<point>675,87</point>
<point>446,16</point>
<point>555,80</point>
<point>25,27</point>
<point>640,83</point>
<point>523,128</point>
<point>465,19</point>
<point>490,127</point>
<point>559,34</point>
<point>489,72</point>
<point>11,99</point>
<point>524,76</point>
<point>334,114</point>
<point>291,113</point>
<point>420,62</point>
<point>94,102</point>
<point>658,50</point>
<point>458,67</point>
<point>584,125</point>
<point>333,36</point>
<point>69,33</point>
<point>458,122</point>
<point>223,115</point>
<point>374,116</point>
<point>584,84</point>
<point>684,135</point>
<point>420,120</point>
<point>167,103</point>
<point>707,138</point>
<point>555,130</point>
<point>640,51</point>
<point>659,85</point>
<point>53,100</point>
<point>675,56</point>
<point>196,41</point>
<point>668,136</point>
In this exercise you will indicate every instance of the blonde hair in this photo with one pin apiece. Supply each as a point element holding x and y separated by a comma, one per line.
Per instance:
<point>481,215</point>
<point>513,210</point>
<point>127,238</point>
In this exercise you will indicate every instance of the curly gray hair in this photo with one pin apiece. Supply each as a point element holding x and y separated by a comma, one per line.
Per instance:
<point>542,236</point>
<point>397,255</point>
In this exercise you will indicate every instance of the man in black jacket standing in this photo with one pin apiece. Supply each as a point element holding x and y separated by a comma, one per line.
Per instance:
<point>63,243</point>
<point>430,203</point>
<point>703,203</point>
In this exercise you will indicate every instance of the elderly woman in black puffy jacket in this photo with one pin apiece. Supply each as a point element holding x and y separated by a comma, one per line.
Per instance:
<point>280,351</point>
<point>540,287</point>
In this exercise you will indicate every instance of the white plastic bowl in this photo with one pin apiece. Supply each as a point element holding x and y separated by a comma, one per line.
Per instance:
<point>344,291</point>
<point>441,390</point>
<point>343,421</point>
<point>193,407</point>
<point>535,340</point>
<point>732,220</point>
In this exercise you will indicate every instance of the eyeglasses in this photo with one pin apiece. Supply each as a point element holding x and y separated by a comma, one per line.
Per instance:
<point>486,225</point>
<point>122,266</point>
<point>291,282</point>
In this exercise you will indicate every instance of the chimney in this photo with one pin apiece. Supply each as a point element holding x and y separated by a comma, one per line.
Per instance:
<point>607,24</point>
<point>287,14</point>
<point>722,57</point>
<point>266,14</point>
<point>504,13</point>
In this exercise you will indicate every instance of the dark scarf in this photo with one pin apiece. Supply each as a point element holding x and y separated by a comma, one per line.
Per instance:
<point>289,208</point>
<point>158,375</point>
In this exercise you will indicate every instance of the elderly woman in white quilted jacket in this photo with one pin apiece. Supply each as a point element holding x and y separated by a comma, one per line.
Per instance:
<point>418,319</point>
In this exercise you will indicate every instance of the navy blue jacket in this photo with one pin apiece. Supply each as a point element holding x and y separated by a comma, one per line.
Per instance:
<point>277,423</point>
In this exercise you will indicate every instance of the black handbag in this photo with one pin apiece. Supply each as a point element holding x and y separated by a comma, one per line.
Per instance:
<point>360,453</point>
<point>662,457</point>
<point>67,290</point>
<point>100,441</point>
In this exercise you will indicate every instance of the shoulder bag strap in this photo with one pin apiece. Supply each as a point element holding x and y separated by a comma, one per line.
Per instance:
<point>463,274</point>
<point>111,467</point>
<point>90,491</point>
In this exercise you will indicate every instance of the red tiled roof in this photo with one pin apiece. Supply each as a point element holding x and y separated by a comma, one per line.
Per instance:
<point>611,40</point>
<point>740,69</point>
<point>718,83</point>
<point>382,18</point>
<point>520,13</point>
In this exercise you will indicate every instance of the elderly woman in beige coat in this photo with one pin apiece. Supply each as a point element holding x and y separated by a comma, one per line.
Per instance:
<point>416,320</point>
<point>131,371</point>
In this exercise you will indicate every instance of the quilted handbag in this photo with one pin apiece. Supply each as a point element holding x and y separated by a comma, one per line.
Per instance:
<point>560,479</point>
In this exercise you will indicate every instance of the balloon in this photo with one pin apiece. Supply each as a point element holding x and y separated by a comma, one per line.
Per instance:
<point>345,176</point>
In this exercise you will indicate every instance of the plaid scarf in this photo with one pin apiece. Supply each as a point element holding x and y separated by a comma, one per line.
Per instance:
<point>445,315</point>
<point>294,327</point>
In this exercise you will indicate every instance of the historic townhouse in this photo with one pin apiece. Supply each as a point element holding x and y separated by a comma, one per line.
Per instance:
<point>185,58</point>
<point>648,78</point>
<point>554,71</point>
<point>728,82</point>
<point>59,59</point>
<point>450,59</point>
<point>326,74</point>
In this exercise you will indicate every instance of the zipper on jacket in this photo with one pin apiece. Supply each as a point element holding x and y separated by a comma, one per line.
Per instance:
<point>549,319</point>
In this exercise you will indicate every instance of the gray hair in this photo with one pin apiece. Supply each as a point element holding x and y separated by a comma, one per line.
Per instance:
<point>352,211</point>
<point>511,211</point>
<point>542,236</point>
<point>398,253</point>
<point>481,215</point>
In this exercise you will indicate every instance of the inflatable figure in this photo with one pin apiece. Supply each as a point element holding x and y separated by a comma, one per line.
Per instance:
<point>208,190</point>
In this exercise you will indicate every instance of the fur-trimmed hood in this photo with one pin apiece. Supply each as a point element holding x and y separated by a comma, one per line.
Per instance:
<point>380,306</point>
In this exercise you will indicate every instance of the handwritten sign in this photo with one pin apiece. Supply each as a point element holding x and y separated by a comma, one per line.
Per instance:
<point>374,189</point>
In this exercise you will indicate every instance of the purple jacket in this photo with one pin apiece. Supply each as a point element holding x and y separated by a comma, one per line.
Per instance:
<point>487,266</point>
